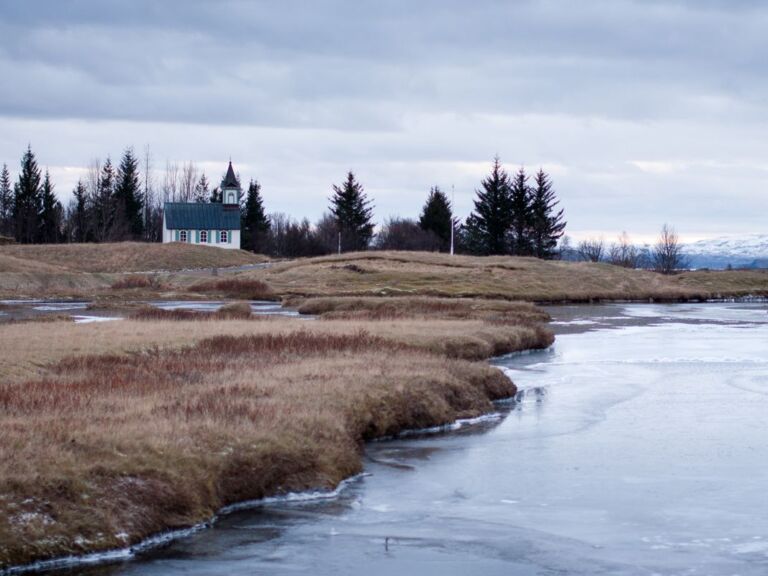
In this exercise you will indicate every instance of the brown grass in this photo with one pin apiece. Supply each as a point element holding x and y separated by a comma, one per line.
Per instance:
<point>47,284</point>
<point>54,271</point>
<point>127,256</point>
<point>26,349</point>
<point>139,281</point>
<point>15,265</point>
<point>101,451</point>
<point>725,283</point>
<point>498,277</point>
<point>236,287</point>
<point>233,311</point>
<point>372,308</point>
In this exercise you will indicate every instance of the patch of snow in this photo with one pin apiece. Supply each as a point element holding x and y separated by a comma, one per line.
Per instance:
<point>752,245</point>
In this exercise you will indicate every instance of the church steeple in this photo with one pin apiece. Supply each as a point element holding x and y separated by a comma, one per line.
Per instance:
<point>230,187</point>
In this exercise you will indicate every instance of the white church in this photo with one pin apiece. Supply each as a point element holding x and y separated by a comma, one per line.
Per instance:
<point>211,224</point>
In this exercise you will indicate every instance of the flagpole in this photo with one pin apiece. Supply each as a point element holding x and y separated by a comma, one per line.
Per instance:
<point>453,224</point>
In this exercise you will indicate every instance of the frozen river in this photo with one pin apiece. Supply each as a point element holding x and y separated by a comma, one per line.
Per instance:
<point>637,445</point>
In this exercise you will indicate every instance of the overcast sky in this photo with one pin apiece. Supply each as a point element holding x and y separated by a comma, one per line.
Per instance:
<point>644,112</point>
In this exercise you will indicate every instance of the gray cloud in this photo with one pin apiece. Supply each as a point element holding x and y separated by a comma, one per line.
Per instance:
<point>255,63</point>
<point>632,101</point>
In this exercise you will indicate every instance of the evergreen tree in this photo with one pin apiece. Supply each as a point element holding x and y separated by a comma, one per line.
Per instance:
<point>202,190</point>
<point>547,224</point>
<point>50,215</point>
<point>436,217</point>
<point>216,195</point>
<point>103,202</point>
<point>353,213</point>
<point>486,228</point>
<point>522,215</point>
<point>470,238</point>
<point>255,224</point>
<point>26,199</point>
<point>6,203</point>
<point>128,222</point>
<point>80,213</point>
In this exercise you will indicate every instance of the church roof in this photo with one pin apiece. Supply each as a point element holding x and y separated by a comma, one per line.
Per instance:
<point>230,180</point>
<point>201,216</point>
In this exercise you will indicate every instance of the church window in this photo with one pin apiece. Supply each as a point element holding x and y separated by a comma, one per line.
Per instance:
<point>183,236</point>
<point>223,237</point>
<point>204,236</point>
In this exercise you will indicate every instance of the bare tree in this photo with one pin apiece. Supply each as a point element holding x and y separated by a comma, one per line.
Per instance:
<point>327,233</point>
<point>92,177</point>
<point>591,249</point>
<point>148,186</point>
<point>188,181</point>
<point>171,182</point>
<point>667,255</point>
<point>280,224</point>
<point>623,253</point>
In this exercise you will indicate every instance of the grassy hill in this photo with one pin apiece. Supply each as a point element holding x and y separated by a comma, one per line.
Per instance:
<point>95,270</point>
<point>125,256</point>
<point>85,270</point>
<point>428,274</point>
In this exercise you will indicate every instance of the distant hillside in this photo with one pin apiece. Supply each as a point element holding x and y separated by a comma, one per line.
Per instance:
<point>749,251</point>
<point>120,257</point>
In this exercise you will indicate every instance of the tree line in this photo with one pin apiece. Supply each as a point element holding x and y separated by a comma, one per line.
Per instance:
<point>109,206</point>
<point>512,215</point>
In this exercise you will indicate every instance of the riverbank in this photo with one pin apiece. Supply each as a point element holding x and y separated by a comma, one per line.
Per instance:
<point>117,431</point>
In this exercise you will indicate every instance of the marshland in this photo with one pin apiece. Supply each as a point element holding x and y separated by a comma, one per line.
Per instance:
<point>117,431</point>
<point>335,287</point>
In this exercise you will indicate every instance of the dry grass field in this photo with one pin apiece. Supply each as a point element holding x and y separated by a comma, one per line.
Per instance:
<point>88,270</point>
<point>726,283</point>
<point>427,274</point>
<point>27,349</point>
<point>127,256</point>
<point>112,432</point>
<point>234,287</point>
<point>376,308</point>
<point>110,272</point>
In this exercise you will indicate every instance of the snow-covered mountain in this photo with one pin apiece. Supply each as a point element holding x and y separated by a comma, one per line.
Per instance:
<point>750,251</point>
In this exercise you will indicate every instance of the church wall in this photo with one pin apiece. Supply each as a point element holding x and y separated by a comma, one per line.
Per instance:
<point>234,243</point>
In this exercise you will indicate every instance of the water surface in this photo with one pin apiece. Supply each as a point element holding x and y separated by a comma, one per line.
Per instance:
<point>85,312</point>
